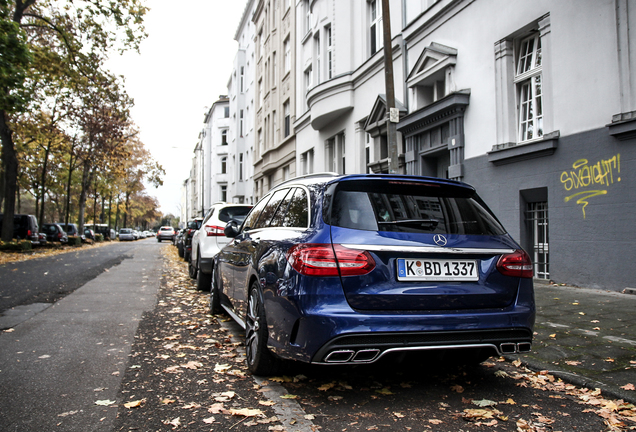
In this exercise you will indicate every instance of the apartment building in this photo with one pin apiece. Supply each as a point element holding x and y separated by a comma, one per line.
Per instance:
<point>241,101</point>
<point>532,101</point>
<point>275,102</point>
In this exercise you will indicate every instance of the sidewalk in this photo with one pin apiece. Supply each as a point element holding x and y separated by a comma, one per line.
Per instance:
<point>586,337</point>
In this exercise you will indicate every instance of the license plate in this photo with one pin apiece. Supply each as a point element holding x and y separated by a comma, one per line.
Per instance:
<point>437,270</point>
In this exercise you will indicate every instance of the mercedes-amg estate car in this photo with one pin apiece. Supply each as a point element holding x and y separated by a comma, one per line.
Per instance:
<point>330,269</point>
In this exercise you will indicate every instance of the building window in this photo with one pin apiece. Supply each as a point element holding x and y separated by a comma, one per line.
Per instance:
<point>261,149</point>
<point>224,137</point>
<point>274,126</point>
<point>261,47</point>
<point>307,162</point>
<point>375,26</point>
<point>286,173</point>
<point>224,193</point>
<point>226,112</point>
<point>307,11</point>
<point>335,154</point>
<point>528,79</point>
<point>241,123</point>
<point>240,167</point>
<point>317,53</point>
<point>260,93</point>
<point>287,50</point>
<point>274,72</point>
<point>287,119</point>
<point>308,76</point>
<point>537,218</point>
<point>242,79</point>
<point>330,53</point>
<point>224,165</point>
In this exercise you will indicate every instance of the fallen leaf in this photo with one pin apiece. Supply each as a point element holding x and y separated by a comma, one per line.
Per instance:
<point>628,387</point>
<point>457,388</point>
<point>398,415</point>
<point>192,365</point>
<point>484,403</point>
<point>134,404</point>
<point>385,391</point>
<point>266,402</point>
<point>609,360</point>
<point>435,421</point>
<point>553,335</point>
<point>246,412</point>
<point>220,368</point>
<point>289,396</point>
<point>572,362</point>
<point>208,420</point>
<point>104,402</point>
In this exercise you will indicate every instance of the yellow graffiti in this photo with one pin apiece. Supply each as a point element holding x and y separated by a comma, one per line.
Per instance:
<point>582,175</point>
<point>585,195</point>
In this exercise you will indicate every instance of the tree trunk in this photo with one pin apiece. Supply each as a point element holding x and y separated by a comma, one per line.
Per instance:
<point>10,165</point>
<point>47,151</point>
<point>86,181</point>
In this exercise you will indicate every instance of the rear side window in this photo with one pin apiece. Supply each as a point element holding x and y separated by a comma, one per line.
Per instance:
<point>412,208</point>
<point>270,209</point>
<point>298,211</point>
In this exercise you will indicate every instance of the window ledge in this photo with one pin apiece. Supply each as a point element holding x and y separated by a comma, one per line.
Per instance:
<point>502,154</point>
<point>623,126</point>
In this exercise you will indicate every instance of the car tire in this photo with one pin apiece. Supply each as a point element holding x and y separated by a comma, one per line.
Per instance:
<point>204,280</point>
<point>260,361</point>
<point>180,251</point>
<point>158,240</point>
<point>215,299</point>
<point>192,270</point>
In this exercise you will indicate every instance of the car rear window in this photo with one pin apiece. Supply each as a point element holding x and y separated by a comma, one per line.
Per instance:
<point>237,213</point>
<point>411,207</point>
<point>125,231</point>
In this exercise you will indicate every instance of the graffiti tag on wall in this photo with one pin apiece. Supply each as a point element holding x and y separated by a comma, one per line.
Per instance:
<point>603,173</point>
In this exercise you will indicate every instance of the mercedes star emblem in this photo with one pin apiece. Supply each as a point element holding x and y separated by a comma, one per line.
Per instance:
<point>439,240</point>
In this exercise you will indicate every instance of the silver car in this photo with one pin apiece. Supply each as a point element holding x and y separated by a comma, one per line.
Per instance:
<point>126,234</point>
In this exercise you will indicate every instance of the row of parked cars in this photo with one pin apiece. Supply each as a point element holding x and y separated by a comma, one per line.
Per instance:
<point>129,234</point>
<point>25,227</point>
<point>347,269</point>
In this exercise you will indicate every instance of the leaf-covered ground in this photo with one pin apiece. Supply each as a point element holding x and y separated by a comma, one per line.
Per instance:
<point>187,372</point>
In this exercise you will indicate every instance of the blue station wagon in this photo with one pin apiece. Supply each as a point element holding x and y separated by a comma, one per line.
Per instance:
<point>330,269</point>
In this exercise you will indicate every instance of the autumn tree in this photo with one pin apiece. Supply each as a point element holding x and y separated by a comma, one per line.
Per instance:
<point>80,34</point>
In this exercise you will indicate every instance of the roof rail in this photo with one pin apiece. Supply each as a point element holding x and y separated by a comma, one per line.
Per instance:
<point>312,175</point>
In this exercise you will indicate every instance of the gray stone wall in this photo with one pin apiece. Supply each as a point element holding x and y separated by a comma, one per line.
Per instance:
<point>591,192</point>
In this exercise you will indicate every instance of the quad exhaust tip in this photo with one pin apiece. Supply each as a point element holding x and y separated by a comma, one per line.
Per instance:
<point>515,348</point>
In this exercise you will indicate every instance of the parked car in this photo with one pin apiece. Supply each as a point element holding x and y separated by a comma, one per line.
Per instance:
<point>178,242</point>
<point>25,227</point>
<point>126,234</point>
<point>191,227</point>
<point>89,234</point>
<point>42,239</point>
<point>104,230</point>
<point>165,233</point>
<point>331,269</point>
<point>210,238</point>
<point>70,229</point>
<point>54,233</point>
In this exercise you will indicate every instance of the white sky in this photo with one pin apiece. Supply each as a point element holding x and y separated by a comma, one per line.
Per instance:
<point>184,65</point>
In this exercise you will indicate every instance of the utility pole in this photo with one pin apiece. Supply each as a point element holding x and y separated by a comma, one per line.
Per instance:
<point>393,114</point>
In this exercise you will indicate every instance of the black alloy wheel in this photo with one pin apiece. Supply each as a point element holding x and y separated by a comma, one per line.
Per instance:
<point>260,361</point>
<point>204,280</point>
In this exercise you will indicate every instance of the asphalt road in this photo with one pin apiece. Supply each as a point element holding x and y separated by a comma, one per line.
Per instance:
<point>47,279</point>
<point>68,359</point>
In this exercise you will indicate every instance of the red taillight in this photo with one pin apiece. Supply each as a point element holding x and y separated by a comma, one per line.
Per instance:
<point>314,259</point>
<point>59,235</point>
<point>214,231</point>
<point>516,264</point>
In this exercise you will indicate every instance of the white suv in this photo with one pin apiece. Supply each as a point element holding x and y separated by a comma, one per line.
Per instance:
<point>210,238</point>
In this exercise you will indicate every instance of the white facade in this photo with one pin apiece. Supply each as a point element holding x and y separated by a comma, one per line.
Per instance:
<point>216,153</point>
<point>241,102</point>
<point>340,76</point>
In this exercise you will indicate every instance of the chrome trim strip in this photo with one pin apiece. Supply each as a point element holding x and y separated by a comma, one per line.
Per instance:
<point>428,249</point>
<point>420,348</point>
<point>234,316</point>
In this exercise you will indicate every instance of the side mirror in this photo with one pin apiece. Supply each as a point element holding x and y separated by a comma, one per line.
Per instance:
<point>231,229</point>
